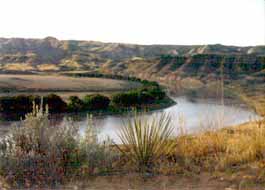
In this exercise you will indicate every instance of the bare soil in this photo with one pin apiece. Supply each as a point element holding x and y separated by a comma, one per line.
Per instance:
<point>204,181</point>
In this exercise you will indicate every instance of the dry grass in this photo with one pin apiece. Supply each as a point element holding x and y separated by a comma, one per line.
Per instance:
<point>48,67</point>
<point>237,151</point>
<point>62,83</point>
<point>17,67</point>
<point>219,150</point>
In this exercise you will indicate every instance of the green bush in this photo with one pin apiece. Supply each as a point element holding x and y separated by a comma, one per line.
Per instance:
<point>22,104</point>
<point>96,102</point>
<point>75,104</point>
<point>146,97</point>
<point>157,93</point>
<point>147,94</point>
<point>128,99</point>
<point>55,103</point>
<point>17,104</point>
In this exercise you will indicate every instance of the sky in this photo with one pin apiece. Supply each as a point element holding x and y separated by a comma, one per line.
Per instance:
<point>180,22</point>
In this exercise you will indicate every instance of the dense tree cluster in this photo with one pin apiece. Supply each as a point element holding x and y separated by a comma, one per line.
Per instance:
<point>24,103</point>
<point>148,93</point>
<point>145,95</point>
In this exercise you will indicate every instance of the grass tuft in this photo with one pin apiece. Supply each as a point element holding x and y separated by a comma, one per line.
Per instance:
<point>144,143</point>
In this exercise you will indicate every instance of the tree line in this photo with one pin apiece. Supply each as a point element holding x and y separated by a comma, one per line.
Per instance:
<point>148,93</point>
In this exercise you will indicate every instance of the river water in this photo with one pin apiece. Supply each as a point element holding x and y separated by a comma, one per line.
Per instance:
<point>188,116</point>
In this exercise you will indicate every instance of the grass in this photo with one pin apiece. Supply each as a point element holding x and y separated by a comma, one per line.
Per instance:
<point>222,149</point>
<point>56,83</point>
<point>144,143</point>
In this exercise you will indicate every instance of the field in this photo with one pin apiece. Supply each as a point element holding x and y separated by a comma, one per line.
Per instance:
<point>62,84</point>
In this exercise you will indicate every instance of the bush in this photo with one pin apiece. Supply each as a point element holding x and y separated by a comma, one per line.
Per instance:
<point>55,103</point>
<point>146,97</point>
<point>128,99</point>
<point>147,94</point>
<point>36,154</point>
<point>75,104</point>
<point>96,102</point>
<point>157,93</point>
<point>22,104</point>
<point>17,104</point>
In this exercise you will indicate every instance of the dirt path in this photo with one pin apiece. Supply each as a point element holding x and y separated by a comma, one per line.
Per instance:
<point>132,182</point>
<point>201,182</point>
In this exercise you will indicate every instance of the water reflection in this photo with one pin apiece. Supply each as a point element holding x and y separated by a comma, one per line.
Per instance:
<point>187,116</point>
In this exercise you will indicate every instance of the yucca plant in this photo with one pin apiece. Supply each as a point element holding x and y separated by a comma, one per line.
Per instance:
<point>145,142</point>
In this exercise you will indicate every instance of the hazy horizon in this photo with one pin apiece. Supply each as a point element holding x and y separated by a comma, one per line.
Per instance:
<point>145,22</point>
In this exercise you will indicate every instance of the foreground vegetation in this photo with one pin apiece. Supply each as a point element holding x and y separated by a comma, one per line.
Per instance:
<point>36,154</point>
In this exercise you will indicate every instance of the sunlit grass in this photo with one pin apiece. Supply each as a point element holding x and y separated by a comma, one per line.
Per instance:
<point>144,143</point>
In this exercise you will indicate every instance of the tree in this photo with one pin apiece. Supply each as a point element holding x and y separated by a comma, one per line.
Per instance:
<point>96,102</point>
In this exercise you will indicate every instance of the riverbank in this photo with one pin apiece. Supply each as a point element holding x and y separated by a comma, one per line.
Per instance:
<point>229,158</point>
<point>141,95</point>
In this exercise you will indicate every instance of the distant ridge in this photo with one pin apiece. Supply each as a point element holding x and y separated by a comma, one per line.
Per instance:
<point>51,54</point>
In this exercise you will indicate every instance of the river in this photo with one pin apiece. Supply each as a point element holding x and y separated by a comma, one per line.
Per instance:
<point>188,116</point>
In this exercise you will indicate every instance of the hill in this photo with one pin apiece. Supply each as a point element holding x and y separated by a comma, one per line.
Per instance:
<point>50,54</point>
<point>178,66</point>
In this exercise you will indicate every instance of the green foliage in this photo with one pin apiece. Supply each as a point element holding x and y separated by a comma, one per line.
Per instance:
<point>144,143</point>
<point>96,102</point>
<point>17,104</point>
<point>22,104</point>
<point>75,104</point>
<point>128,99</point>
<point>101,75</point>
<point>55,103</point>
<point>157,93</point>
<point>149,93</point>
<point>146,97</point>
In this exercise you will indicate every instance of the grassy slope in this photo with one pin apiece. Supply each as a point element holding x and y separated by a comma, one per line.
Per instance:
<point>55,83</point>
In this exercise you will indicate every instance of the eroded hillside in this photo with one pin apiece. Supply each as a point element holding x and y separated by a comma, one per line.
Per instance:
<point>180,67</point>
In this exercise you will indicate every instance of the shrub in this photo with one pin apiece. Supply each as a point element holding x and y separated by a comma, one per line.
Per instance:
<point>17,104</point>
<point>147,94</point>
<point>143,143</point>
<point>22,104</point>
<point>128,99</point>
<point>75,104</point>
<point>99,157</point>
<point>146,97</point>
<point>55,103</point>
<point>157,93</point>
<point>36,154</point>
<point>96,102</point>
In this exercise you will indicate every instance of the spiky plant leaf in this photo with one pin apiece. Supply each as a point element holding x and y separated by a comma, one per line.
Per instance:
<point>143,142</point>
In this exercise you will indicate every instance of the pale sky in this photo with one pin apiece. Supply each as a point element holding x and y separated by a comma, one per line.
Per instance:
<point>180,22</point>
